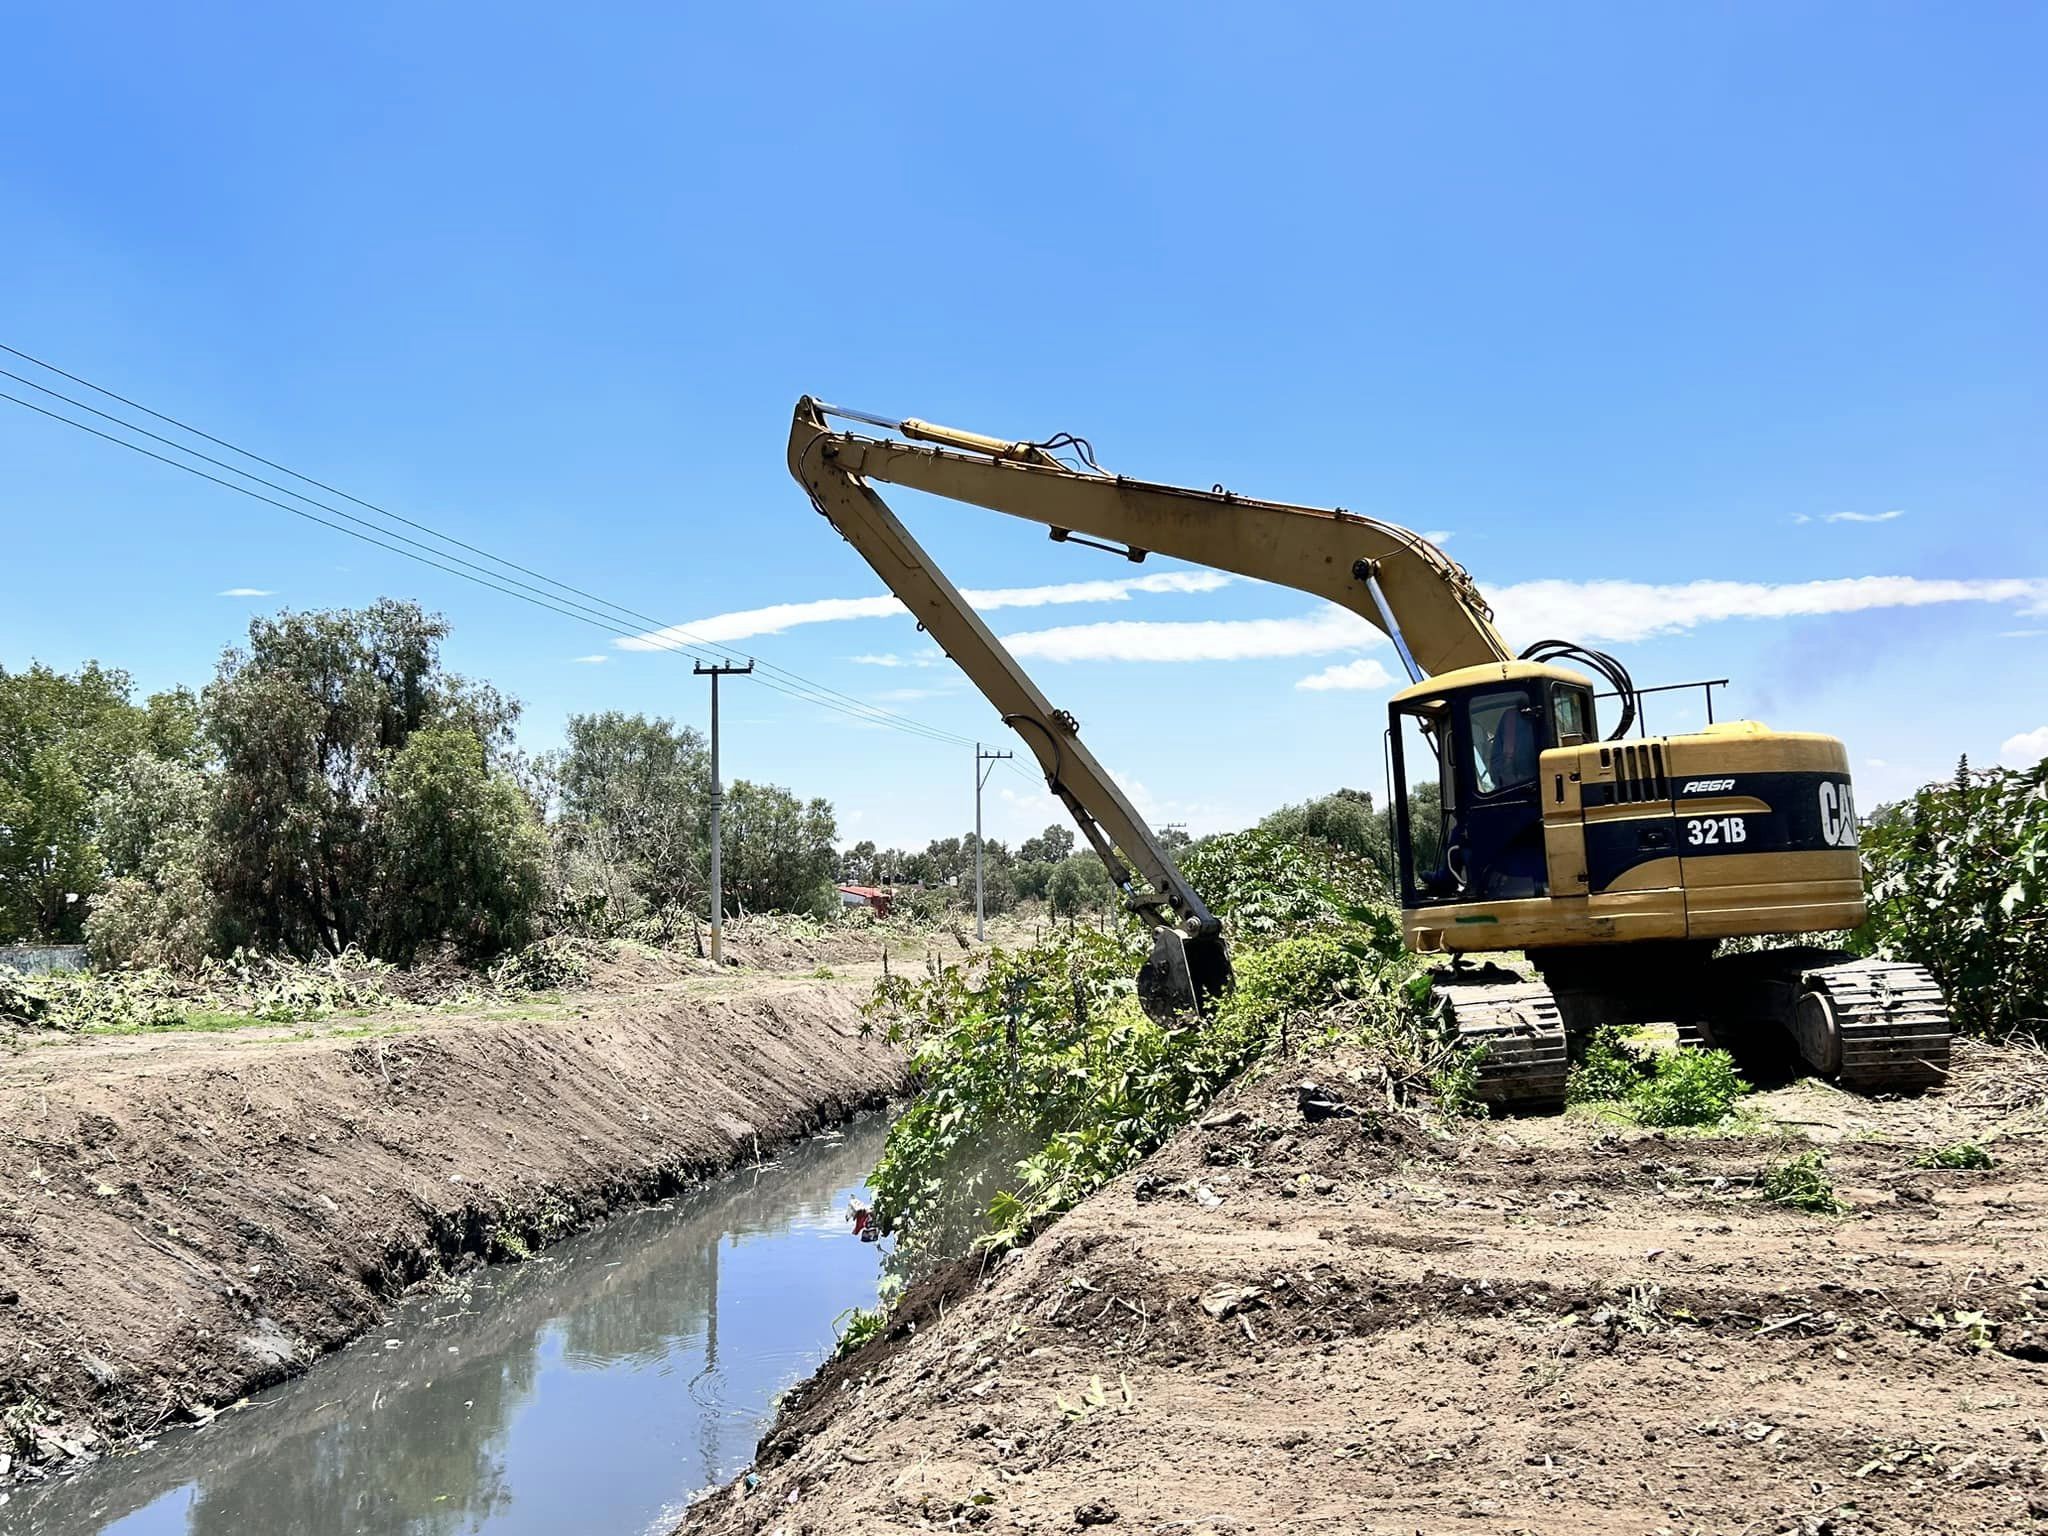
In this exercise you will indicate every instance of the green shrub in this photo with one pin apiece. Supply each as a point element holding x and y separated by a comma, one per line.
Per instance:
<point>1963,1154</point>
<point>1666,1088</point>
<point>1042,1078</point>
<point>548,966</point>
<point>1611,1071</point>
<point>1265,885</point>
<point>1803,1184</point>
<point>862,1324</point>
<point>1689,1087</point>
<point>1958,882</point>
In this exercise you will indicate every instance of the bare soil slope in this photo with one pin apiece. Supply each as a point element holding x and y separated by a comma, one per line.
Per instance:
<point>186,1217</point>
<point>1286,1326</point>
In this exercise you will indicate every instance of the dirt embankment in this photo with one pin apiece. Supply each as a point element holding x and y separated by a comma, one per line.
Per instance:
<point>1284,1326</point>
<point>187,1217</point>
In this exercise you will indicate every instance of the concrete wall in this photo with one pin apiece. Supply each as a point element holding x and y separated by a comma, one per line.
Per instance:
<point>35,959</point>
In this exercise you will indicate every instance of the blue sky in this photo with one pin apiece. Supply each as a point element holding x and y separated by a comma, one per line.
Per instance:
<point>1663,315</point>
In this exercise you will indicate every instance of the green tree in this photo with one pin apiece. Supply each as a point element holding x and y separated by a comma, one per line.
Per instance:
<point>304,722</point>
<point>1029,878</point>
<point>1345,818</point>
<point>779,852</point>
<point>1079,884</point>
<point>635,802</point>
<point>1049,847</point>
<point>61,739</point>
<point>157,909</point>
<point>461,857</point>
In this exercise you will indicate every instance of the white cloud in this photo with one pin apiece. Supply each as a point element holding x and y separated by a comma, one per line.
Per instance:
<point>1366,673</point>
<point>1329,629</point>
<point>2025,749</point>
<point>247,592</point>
<point>1530,610</point>
<point>2021,634</point>
<point>772,620</point>
<point>720,628</point>
<point>1439,536</point>
<point>890,659</point>
<point>590,661</point>
<point>1634,610</point>
<point>1851,517</point>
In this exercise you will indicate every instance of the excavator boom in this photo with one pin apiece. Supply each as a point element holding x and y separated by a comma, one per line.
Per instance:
<point>1395,579</point>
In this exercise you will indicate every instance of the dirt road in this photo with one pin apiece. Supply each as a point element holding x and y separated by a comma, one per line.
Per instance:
<point>1546,1326</point>
<point>185,1217</point>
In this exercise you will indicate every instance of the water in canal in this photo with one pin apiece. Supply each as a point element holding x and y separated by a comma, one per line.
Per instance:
<point>593,1389</point>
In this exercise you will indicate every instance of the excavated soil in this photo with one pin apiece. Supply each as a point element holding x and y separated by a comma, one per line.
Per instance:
<point>1547,1326</point>
<point>185,1218</point>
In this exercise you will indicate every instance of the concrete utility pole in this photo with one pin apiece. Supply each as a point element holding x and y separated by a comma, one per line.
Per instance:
<point>725,669</point>
<point>980,781</point>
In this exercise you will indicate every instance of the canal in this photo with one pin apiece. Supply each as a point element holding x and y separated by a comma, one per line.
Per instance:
<point>595,1388</point>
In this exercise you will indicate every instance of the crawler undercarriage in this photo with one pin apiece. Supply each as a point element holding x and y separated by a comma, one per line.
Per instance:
<point>1871,1026</point>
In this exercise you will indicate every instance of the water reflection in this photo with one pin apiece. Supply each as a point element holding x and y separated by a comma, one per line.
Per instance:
<point>594,1388</point>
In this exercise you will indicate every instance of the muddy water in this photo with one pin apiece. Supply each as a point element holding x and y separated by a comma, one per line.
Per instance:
<point>595,1388</point>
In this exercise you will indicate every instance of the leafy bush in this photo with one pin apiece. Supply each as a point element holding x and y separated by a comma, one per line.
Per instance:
<point>1963,1154</point>
<point>1958,882</point>
<point>1690,1087</point>
<point>548,966</point>
<point>1667,1088</point>
<point>862,1324</point>
<point>1610,1073</point>
<point>1043,1079</point>
<point>1265,885</point>
<point>1803,1184</point>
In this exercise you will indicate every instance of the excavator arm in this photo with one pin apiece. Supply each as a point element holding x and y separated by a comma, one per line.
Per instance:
<point>1395,579</point>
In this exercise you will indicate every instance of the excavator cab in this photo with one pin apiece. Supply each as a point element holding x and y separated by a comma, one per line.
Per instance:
<point>1466,762</point>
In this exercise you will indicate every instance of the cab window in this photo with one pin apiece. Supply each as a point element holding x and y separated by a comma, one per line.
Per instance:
<point>1572,710</point>
<point>1505,741</point>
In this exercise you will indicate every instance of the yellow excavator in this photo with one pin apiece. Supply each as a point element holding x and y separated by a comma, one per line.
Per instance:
<point>1617,866</point>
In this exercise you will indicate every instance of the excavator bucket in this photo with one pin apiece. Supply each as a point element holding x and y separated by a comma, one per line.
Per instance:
<point>1183,976</point>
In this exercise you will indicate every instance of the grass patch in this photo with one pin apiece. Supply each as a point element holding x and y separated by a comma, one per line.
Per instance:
<point>1803,1184</point>
<point>198,1022</point>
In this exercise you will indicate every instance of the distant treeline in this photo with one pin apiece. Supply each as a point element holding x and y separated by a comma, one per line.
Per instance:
<point>335,786</point>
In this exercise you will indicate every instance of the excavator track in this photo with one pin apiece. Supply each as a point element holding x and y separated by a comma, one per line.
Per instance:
<point>1522,1032</point>
<point>1874,1026</point>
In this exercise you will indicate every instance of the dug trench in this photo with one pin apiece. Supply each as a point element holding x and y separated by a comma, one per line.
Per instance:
<point>1287,1324</point>
<point>185,1219</point>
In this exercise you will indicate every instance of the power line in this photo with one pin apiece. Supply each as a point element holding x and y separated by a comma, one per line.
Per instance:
<point>869,713</point>
<point>607,613</point>
<point>616,609</point>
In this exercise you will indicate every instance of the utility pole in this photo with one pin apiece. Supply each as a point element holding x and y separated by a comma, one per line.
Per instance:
<point>724,669</point>
<point>980,782</point>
